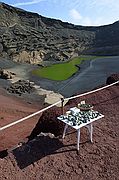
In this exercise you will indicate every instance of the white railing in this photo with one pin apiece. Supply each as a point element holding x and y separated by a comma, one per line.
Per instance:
<point>66,99</point>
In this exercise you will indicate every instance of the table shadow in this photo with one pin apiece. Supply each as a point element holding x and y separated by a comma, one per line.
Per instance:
<point>34,150</point>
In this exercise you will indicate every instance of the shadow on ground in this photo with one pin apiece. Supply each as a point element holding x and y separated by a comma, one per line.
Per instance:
<point>3,154</point>
<point>35,150</point>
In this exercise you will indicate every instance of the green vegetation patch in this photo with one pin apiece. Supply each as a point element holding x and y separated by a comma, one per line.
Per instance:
<point>63,71</point>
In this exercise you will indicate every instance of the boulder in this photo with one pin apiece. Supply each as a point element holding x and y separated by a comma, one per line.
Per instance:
<point>4,74</point>
<point>20,87</point>
<point>48,123</point>
<point>33,57</point>
<point>113,78</point>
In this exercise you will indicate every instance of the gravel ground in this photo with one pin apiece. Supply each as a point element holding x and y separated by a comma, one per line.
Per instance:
<point>54,158</point>
<point>11,109</point>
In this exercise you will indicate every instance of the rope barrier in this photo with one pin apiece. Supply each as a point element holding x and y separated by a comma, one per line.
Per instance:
<point>42,110</point>
<point>90,92</point>
<point>29,116</point>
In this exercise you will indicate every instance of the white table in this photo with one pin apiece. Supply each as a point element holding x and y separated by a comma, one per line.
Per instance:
<point>91,116</point>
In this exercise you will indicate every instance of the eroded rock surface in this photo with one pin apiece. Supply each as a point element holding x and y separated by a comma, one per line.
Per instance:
<point>32,38</point>
<point>21,87</point>
<point>4,74</point>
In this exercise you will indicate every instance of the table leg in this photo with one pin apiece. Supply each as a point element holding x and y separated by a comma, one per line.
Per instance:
<point>65,128</point>
<point>78,139</point>
<point>90,129</point>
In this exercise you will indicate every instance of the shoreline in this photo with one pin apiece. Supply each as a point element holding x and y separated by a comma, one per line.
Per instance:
<point>92,73</point>
<point>23,72</point>
<point>48,84</point>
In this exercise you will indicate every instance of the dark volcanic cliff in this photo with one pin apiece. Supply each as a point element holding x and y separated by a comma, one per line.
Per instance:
<point>29,37</point>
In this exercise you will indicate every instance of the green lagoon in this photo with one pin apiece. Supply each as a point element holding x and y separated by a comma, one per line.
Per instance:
<point>61,71</point>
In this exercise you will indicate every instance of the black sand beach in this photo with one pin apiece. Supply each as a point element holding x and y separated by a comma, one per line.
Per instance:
<point>91,74</point>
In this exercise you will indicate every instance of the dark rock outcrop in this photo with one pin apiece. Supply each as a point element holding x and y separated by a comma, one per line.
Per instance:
<point>48,123</point>
<point>20,87</point>
<point>4,74</point>
<point>29,37</point>
<point>112,79</point>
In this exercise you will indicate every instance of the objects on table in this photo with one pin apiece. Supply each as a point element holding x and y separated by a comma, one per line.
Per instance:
<point>75,116</point>
<point>83,106</point>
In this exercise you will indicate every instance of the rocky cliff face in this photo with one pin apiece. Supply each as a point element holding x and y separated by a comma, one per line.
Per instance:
<point>29,37</point>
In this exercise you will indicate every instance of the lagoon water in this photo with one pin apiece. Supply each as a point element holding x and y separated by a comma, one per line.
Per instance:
<point>92,74</point>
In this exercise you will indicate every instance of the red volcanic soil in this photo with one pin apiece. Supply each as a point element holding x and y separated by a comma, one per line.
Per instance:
<point>11,109</point>
<point>53,158</point>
